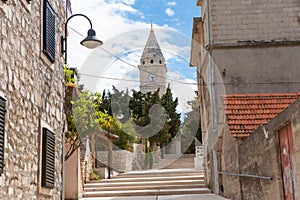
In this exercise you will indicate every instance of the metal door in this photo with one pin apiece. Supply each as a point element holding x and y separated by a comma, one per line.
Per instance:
<point>287,162</point>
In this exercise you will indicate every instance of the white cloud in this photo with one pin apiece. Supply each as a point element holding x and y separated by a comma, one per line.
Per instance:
<point>128,2</point>
<point>172,3</point>
<point>170,12</point>
<point>125,38</point>
<point>108,18</point>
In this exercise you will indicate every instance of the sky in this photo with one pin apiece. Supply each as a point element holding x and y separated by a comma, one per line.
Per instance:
<point>123,26</point>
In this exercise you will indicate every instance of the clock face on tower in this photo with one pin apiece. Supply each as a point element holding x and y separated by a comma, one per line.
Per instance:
<point>152,77</point>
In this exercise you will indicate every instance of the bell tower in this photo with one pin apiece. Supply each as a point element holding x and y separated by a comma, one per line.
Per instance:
<point>152,67</point>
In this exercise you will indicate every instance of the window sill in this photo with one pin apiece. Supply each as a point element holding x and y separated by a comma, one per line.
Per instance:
<point>45,191</point>
<point>46,60</point>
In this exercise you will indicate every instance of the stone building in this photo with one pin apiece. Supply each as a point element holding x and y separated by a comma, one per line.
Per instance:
<point>152,67</point>
<point>245,49</point>
<point>31,99</point>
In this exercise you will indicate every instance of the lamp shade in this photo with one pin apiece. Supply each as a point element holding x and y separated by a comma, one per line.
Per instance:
<point>91,41</point>
<point>120,115</point>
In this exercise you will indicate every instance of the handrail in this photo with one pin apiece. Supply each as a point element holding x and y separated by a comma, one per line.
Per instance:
<point>247,175</point>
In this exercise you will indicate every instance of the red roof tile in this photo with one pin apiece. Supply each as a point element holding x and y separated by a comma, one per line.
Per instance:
<point>245,112</point>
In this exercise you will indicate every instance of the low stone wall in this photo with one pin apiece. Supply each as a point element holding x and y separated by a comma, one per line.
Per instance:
<point>121,159</point>
<point>259,154</point>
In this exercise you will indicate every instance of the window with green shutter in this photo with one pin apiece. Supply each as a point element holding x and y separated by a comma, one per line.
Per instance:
<point>2,132</point>
<point>48,158</point>
<point>49,26</point>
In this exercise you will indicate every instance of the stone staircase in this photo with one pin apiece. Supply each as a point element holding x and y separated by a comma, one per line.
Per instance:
<point>181,163</point>
<point>176,162</point>
<point>149,183</point>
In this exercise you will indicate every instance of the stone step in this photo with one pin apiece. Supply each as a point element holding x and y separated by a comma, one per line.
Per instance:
<point>143,187</point>
<point>181,163</point>
<point>153,192</point>
<point>164,172</point>
<point>145,183</point>
<point>149,183</point>
<point>158,175</point>
<point>148,179</point>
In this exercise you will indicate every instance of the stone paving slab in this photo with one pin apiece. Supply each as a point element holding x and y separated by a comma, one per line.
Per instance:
<point>172,197</point>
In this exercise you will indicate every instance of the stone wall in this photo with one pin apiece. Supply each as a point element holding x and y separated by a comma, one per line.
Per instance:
<point>236,20</point>
<point>260,37</point>
<point>229,162</point>
<point>261,69</point>
<point>34,89</point>
<point>251,47</point>
<point>121,159</point>
<point>259,155</point>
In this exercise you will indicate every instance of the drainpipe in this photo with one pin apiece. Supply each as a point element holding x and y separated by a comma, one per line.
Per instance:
<point>63,160</point>
<point>211,95</point>
<point>207,47</point>
<point>216,174</point>
<point>212,106</point>
<point>208,25</point>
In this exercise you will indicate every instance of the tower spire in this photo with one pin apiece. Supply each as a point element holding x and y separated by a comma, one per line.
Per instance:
<point>152,53</point>
<point>152,66</point>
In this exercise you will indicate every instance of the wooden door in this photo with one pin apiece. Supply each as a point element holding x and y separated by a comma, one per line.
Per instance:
<point>287,162</point>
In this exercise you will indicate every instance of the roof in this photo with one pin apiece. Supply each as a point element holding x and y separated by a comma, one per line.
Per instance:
<point>245,112</point>
<point>152,48</point>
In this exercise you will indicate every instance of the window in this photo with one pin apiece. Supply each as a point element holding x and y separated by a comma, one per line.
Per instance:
<point>48,158</point>
<point>151,61</point>
<point>49,26</point>
<point>2,128</point>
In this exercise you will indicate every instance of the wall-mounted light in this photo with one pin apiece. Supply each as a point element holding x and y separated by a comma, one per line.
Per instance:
<point>91,41</point>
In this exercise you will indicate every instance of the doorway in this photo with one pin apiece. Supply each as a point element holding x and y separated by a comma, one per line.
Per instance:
<point>287,161</point>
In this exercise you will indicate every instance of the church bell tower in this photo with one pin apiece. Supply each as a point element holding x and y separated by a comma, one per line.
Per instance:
<point>152,67</point>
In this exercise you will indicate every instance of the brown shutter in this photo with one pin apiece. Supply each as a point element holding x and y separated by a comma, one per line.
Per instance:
<point>2,127</point>
<point>48,158</point>
<point>49,26</point>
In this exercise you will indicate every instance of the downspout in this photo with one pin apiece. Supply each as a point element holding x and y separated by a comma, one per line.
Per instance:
<point>63,160</point>
<point>212,106</point>
<point>208,26</point>
<point>208,47</point>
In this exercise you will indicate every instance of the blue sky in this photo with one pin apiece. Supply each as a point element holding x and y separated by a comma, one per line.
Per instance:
<point>123,26</point>
<point>177,14</point>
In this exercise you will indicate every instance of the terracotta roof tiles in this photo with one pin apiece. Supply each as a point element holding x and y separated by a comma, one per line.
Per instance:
<point>245,112</point>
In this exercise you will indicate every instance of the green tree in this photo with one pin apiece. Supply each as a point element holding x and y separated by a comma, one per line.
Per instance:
<point>140,105</point>
<point>191,128</point>
<point>85,113</point>
<point>173,117</point>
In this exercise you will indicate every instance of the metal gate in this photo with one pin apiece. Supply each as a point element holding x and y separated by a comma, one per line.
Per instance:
<point>287,162</point>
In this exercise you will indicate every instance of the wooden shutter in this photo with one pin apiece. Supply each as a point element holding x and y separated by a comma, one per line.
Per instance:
<point>48,158</point>
<point>2,127</point>
<point>49,26</point>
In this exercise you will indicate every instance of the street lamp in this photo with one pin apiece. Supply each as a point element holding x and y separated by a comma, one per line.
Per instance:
<point>119,115</point>
<point>90,42</point>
